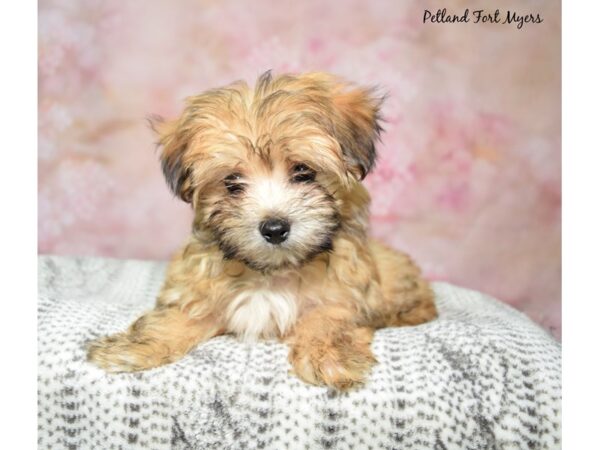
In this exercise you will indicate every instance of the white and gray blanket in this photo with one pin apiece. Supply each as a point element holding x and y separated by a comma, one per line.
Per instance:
<point>481,376</point>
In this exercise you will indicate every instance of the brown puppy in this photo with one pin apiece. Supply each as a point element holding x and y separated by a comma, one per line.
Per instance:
<point>279,247</point>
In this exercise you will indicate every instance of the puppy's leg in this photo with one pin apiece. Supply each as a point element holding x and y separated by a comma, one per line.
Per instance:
<point>328,347</point>
<point>159,337</point>
<point>408,298</point>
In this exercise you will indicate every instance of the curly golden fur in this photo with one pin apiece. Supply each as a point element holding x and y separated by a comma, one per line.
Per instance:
<point>288,157</point>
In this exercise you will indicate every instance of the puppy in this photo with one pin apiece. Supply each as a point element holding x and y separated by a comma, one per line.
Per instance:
<point>279,246</point>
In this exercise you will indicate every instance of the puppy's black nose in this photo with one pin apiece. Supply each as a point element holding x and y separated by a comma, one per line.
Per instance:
<point>275,231</point>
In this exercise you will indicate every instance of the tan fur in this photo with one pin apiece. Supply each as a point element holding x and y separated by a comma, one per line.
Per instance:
<point>327,287</point>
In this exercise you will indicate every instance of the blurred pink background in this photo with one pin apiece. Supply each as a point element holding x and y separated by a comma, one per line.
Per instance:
<point>469,173</point>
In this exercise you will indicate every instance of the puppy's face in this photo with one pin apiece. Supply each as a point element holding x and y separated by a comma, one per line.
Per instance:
<point>269,170</point>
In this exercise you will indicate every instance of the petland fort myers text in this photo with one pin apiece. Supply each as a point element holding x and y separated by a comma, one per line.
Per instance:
<point>508,17</point>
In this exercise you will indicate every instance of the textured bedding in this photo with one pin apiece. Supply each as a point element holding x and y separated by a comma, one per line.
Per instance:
<point>481,376</point>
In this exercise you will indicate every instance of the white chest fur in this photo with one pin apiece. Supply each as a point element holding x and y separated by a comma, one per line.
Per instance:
<point>263,310</point>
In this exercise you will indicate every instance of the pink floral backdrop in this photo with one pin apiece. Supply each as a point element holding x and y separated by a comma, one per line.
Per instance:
<point>469,174</point>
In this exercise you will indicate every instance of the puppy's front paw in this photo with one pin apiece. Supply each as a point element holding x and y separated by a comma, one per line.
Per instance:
<point>341,361</point>
<point>122,353</point>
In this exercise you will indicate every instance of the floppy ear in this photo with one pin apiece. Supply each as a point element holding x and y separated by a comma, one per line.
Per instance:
<point>174,141</point>
<point>357,128</point>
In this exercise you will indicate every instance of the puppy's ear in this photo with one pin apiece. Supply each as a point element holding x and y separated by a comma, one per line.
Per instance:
<point>358,127</point>
<point>173,141</point>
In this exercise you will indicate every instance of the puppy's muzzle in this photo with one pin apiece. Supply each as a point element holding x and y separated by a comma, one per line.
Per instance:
<point>275,231</point>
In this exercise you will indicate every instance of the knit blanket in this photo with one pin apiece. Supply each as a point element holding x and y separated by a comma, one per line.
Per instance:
<point>481,376</point>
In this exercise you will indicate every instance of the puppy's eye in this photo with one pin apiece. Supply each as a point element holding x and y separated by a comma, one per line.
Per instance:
<point>233,183</point>
<point>301,173</point>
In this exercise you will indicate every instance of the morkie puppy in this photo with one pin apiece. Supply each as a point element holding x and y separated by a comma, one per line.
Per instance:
<point>279,246</point>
